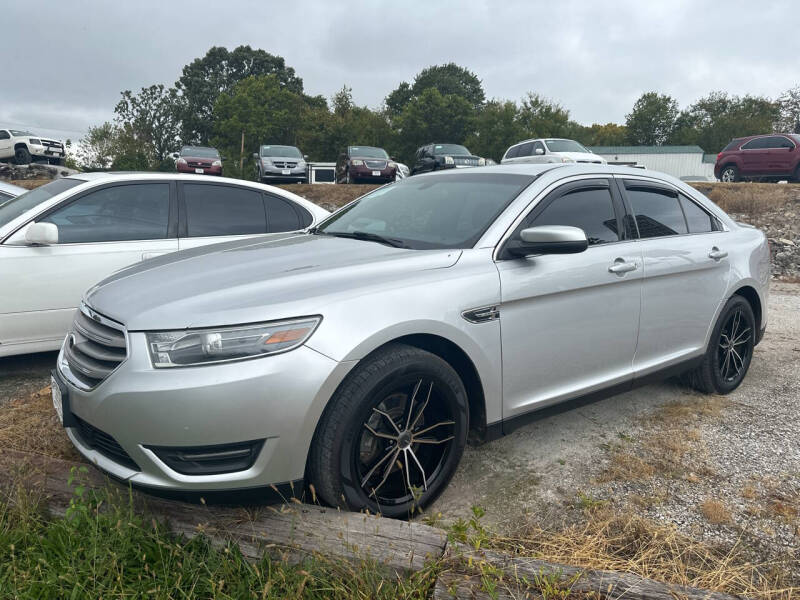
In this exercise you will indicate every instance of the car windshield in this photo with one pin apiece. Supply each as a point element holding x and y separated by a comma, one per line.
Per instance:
<point>451,149</point>
<point>565,146</point>
<point>199,152</point>
<point>17,132</point>
<point>368,152</point>
<point>439,211</point>
<point>15,207</point>
<point>287,151</point>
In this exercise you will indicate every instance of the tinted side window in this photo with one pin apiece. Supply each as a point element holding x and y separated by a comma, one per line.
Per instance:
<point>732,145</point>
<point>4,135</point>
<point>512,152</point>
<point>657,212</point>
<point>118,213</point>
<point>223,210</point>
<point>282,217</point>
<point>591,209</point>
<point>779,141</point>
<point>525,149</point>
<point>756,144</point>
<point>699,221</point>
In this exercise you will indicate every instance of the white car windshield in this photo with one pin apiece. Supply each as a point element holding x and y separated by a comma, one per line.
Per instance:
<point>449,211</point>
<point>15,207</point>
<point>565,146</point>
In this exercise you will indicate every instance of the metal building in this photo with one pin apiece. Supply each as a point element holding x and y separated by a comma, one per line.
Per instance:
<point>688,163</point>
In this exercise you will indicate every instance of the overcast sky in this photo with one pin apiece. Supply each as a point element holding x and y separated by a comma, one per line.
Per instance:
<point>65,62</point>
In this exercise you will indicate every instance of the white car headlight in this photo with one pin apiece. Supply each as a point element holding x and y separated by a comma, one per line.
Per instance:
<point>481,162</point>
<point>216,163</point>
<point>391,165</point>
<point>191,347</point>
<point>356,163</point>
<point>448,160</point>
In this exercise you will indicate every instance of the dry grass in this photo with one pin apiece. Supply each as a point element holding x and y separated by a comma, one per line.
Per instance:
<point>329,197</point>
<point>752,199</point>
<point>30,184</point>
<point>715,512</point>
<point>31,425</point>
<point>609,540</point>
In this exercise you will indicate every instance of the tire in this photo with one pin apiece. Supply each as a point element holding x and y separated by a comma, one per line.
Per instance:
<point>22,156</point>
<point>363,445</point>
<point>720,372</point>
<point>797,174</point>
<point>729,174</point>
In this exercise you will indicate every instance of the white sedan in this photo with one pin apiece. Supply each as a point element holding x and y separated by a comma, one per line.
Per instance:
<point>60,239</point>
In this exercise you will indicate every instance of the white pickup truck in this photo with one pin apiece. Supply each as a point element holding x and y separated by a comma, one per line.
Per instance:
<point>25,147</point>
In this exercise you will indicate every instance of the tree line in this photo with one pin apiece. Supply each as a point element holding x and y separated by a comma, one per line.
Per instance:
<point>225,94</point>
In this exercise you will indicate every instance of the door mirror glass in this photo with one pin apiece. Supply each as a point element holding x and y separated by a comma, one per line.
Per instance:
<point>549,239</point>
<point>539,151</point>
<point>41,234</point>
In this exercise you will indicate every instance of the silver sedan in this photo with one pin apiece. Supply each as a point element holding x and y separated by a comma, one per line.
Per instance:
<point>360,355</point>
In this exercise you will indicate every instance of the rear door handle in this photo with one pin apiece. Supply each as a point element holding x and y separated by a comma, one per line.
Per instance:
<point>620,267</point>
<point>717,254</point>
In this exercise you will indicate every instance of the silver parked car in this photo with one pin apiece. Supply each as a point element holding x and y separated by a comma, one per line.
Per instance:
<point>9,190</point>
<point>550,150</point>
<point>360,355</point>
<point>281,163</point>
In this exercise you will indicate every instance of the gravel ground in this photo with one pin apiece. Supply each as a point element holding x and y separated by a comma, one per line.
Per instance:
<point>720,469</point>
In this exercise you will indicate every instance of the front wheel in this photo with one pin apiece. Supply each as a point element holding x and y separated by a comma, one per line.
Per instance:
<point>729,174</point>
<point>22,156</point>
<point>730,350</point>
<point>392,435</point>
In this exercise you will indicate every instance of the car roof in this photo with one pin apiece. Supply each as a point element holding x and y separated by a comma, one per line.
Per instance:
<point>11,188</point>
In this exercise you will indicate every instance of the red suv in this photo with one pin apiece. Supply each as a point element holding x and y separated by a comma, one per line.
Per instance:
<point>775,156</point>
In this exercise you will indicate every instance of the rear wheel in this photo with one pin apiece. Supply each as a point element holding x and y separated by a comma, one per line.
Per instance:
<point>730,350</point>
<point>22,156</point>
<point>729,174</point>
<point>393,434</point>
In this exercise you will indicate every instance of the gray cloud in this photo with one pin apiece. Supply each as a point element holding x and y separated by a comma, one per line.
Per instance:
<point>66,62</point>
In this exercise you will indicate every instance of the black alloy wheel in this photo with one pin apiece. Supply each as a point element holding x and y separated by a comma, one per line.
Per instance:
<point>393,434</point>
<point>729,352</point>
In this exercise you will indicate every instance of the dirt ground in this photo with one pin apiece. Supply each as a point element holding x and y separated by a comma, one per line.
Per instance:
<point>723,469</point>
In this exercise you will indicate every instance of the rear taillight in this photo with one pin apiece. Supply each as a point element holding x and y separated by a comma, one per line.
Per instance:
<point>719,155</point>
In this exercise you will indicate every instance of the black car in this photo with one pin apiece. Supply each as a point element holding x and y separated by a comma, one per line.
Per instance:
<point>435,157</point>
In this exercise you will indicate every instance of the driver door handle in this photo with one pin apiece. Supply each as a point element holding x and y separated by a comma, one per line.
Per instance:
<point>717,254</point>
<point>620,266</point>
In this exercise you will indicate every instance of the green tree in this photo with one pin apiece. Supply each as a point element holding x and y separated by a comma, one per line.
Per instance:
<point>204,79</point>
<point>448,79</point>
<point>789,111</point>
<point>110,146</point>
<point>264,110</point>
<point>716,119</point>
<point>610,134</point>
<point>540,117</point>
<point>496,128</point>
<point>652,119</point>
<point>433,117</point>
<point>150,118</point>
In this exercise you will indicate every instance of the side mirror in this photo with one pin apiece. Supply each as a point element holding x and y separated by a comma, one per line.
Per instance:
<point>548,239</point>
<point>41,234</point>
<point>305,156</point>
<point>538,151</point>
<point>255,155</point>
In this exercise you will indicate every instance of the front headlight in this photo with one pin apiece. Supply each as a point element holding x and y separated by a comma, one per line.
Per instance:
<point>481,162</point>
<point>356,163</point>
<point>391,165</point>
<point>301,164</point>
<point>216,163</point>
<point>181,161</point>
<point>34,142</point>
<point>448,160</point>
<point>191,347</point>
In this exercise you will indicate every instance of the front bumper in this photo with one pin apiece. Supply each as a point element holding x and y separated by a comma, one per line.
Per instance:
<point>277,399</point>
<point>276,173</point>
<point>364,173</point>
<point>47,151</point>
<point>199,170</point>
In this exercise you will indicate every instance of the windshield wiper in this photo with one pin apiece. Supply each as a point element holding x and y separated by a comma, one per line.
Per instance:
<point>363,235</point>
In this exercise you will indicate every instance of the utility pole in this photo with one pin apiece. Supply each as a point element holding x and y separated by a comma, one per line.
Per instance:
<point>241,157</point>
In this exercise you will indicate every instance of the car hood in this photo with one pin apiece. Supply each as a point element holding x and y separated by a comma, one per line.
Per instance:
<point>369,158</point>
<point>581,156</point>
<point>254,280</point>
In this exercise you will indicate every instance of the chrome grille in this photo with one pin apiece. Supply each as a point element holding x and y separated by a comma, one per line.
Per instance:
<point>379,165</point>
<point>198,163</point>
<point>282,164</point>
<point>95,346</point>
<point>461,160</point>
